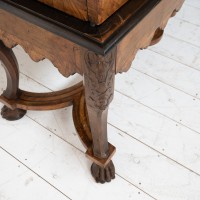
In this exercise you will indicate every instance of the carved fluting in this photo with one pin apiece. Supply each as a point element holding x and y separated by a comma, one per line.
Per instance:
<point>99,79</point>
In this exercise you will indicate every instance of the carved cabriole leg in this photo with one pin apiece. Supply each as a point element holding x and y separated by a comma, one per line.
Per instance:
<point>99,75</point>
<point>11,67</point>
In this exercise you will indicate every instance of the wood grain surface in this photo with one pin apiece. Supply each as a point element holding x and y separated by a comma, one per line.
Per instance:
<point>99,11</point>
<point>76,8</point>
<point>94,11</point>
<point>41,44</point>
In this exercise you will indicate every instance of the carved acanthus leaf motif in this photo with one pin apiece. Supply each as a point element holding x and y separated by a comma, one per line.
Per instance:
<point>99,79</point>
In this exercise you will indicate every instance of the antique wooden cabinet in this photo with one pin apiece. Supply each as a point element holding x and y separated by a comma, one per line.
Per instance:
<point>96,39</point>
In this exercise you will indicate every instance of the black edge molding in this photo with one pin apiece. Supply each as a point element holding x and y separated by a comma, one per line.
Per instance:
<point>100,39</point>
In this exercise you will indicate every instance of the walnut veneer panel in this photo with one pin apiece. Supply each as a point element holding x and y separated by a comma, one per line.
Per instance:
<point>95,11</point>
<point>100,10</point>
<point>76,8</point>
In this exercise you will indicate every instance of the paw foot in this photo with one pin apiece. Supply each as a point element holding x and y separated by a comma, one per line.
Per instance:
<point>12,115</point>
<point>102,175</point>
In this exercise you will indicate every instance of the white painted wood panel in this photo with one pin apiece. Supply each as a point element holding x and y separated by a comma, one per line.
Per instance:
<point>180,51</point>
<point>190,14</point>
<point>195,3</point>
<point>162,98</point>
<point>183,30</point>
<point>17,182</point>
<point>160,133</point>
<point>168,71</point>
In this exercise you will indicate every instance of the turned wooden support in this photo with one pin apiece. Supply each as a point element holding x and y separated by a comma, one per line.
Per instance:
<point>10,65</point>
<point>99,75</point>
<point>12,72</point>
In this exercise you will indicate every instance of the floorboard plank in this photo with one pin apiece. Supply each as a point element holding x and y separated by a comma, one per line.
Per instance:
<point>169,72</point>
<point>178,50</point>
<point>195,3</point>
<point>184,31</point>
<point>190,14</point>
<point>170,102</point>
<point>17,182</point>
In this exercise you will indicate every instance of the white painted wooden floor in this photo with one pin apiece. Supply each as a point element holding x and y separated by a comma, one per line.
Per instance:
<point>154,122</point>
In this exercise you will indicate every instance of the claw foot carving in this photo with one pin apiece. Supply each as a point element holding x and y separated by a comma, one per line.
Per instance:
<point>102,175</point>
<point>12,115</point>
